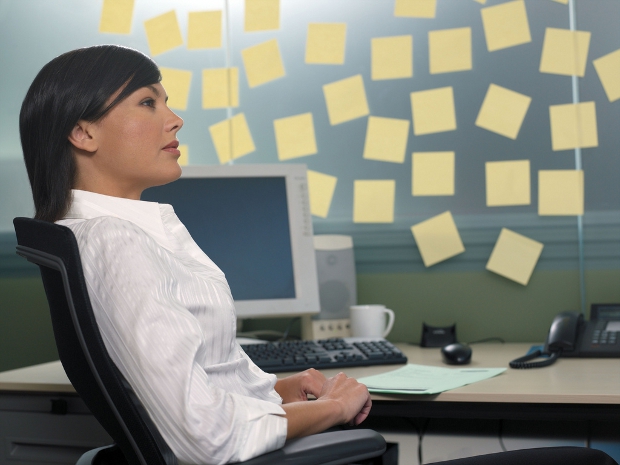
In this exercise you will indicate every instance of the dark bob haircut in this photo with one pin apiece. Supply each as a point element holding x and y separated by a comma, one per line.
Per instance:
<point>72,87</point>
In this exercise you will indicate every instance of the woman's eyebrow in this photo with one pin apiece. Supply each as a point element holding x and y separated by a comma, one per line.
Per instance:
<point>154,89</point>
<point>156,92</point>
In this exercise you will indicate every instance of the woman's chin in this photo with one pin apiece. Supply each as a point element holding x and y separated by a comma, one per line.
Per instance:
<point>175,173</point>
<point>171,175</point>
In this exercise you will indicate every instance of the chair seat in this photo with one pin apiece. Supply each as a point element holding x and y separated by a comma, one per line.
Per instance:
<point>333,448</point>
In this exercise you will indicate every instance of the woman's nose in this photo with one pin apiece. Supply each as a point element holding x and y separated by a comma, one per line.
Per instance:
<point>175,122</point>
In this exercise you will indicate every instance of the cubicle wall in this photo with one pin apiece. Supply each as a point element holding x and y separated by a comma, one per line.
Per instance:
<point>469,52</point>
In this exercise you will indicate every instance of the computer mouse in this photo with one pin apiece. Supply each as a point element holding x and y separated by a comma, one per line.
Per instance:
<point>456,354</point>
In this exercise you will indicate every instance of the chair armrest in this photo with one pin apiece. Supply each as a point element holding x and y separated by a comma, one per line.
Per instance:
<point>333,448</point>
<point>87,458</point>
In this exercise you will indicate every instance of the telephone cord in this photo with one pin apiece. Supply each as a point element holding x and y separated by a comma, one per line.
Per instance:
<point>522,362</point>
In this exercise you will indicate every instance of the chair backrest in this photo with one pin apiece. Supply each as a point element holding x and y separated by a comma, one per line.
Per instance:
<point>80,346</point>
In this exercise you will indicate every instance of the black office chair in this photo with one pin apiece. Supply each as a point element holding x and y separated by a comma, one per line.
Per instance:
<point>538,456</point>
<point>106,392</point>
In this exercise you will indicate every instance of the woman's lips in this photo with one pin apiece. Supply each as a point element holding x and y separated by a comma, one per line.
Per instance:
<point>172,147</point>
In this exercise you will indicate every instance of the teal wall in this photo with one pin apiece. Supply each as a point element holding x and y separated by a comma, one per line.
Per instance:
<point>25,327</point>
<point>482,305</point>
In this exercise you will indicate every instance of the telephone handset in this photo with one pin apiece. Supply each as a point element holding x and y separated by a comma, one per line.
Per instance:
<point>563,336</point>
<point>565,333</point>
<point>571,336</point>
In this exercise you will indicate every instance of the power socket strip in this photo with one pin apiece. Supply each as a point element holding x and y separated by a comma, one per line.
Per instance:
<point>324,329</point>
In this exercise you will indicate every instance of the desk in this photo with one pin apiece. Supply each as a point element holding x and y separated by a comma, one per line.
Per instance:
<point>42,419</point>
<point>578,389</point>
<point>571,389</point>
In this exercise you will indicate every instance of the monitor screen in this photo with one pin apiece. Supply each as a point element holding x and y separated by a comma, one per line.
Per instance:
<point>253,222</point>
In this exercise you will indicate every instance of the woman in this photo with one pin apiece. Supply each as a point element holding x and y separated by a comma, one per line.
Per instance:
<point>95,132</point>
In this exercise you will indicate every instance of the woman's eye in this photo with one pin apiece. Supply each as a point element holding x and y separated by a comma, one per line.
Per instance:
<point>149,103</point>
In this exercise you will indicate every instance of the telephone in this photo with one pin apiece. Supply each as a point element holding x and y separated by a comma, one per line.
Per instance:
<point>571,336</point>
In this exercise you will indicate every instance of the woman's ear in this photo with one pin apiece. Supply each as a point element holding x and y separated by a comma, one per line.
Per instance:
<point>82,136</point>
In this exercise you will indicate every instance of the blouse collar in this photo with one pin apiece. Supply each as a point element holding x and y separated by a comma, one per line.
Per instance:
<point>146,215</point>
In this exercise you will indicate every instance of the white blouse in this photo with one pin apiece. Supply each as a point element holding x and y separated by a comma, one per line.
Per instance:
<point>167,318</point>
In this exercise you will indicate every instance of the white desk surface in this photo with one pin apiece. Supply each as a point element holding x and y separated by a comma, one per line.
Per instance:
<point>46,377</point>
<point>569,380</point>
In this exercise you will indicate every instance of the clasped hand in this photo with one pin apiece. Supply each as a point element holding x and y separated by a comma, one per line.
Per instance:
<point>352,397</point>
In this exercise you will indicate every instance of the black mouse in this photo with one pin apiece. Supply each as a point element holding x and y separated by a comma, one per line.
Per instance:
<point>456,354</point>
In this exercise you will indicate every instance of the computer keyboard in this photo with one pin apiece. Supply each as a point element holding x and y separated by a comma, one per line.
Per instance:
<point>275,357</point>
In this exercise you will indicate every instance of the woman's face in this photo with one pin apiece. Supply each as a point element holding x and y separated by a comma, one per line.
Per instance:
<point>136,146</point>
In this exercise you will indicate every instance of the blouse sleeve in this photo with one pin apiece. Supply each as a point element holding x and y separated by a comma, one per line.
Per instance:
<point>157,343</point>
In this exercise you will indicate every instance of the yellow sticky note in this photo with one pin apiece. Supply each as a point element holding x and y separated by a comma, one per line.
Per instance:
<point>325,43</point>
<point>573,125</point>
<point>433,111</point>
<point>503,111</point>
<point>177,83</point>
<point>261,15</point>
<point>204,30</point>
<point>565,2</point>
<point>220,88</point>
<point>449,50</point>
<point>116,16</point>
<point>608,70</point>
<point>432,173</point>
<point>386,139</point>
<point>321,189</point>
<point>373,201</point>
<point>415,8</point>
<point>437,239</point>
<point>514,256</point>
<point>263,63</point>
<point>235,132</point>
<point>508,183</point>
<point>345,99</point>
<point>184,158</point>
<point>295,136</point>
<point>560,192</point>
<point>391,57</point>
<point>506,25</point>
<point>565,52</point>
<point>163,33</point>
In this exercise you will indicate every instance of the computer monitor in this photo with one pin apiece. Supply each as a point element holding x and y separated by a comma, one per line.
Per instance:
<point>254,222</point>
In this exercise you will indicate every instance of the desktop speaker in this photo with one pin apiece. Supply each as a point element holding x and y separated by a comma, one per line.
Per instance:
<point>335,265</point>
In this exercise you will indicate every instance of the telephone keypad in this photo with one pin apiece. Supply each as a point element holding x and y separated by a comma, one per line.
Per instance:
<point>604,337</point>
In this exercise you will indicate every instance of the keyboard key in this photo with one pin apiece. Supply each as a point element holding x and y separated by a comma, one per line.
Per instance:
<point>270,362</point>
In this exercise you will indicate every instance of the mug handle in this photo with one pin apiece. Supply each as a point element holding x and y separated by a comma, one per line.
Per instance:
<point>390,314</point>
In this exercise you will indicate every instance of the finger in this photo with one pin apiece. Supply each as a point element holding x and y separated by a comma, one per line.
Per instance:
<point>315,373</point>
<point>320,377</point>
<point>363,414</point>
<point>359,418</point>
<point>313,384</point>
<point>316,376</point>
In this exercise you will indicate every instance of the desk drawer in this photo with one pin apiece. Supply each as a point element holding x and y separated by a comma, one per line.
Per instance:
<point>34,438</point>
